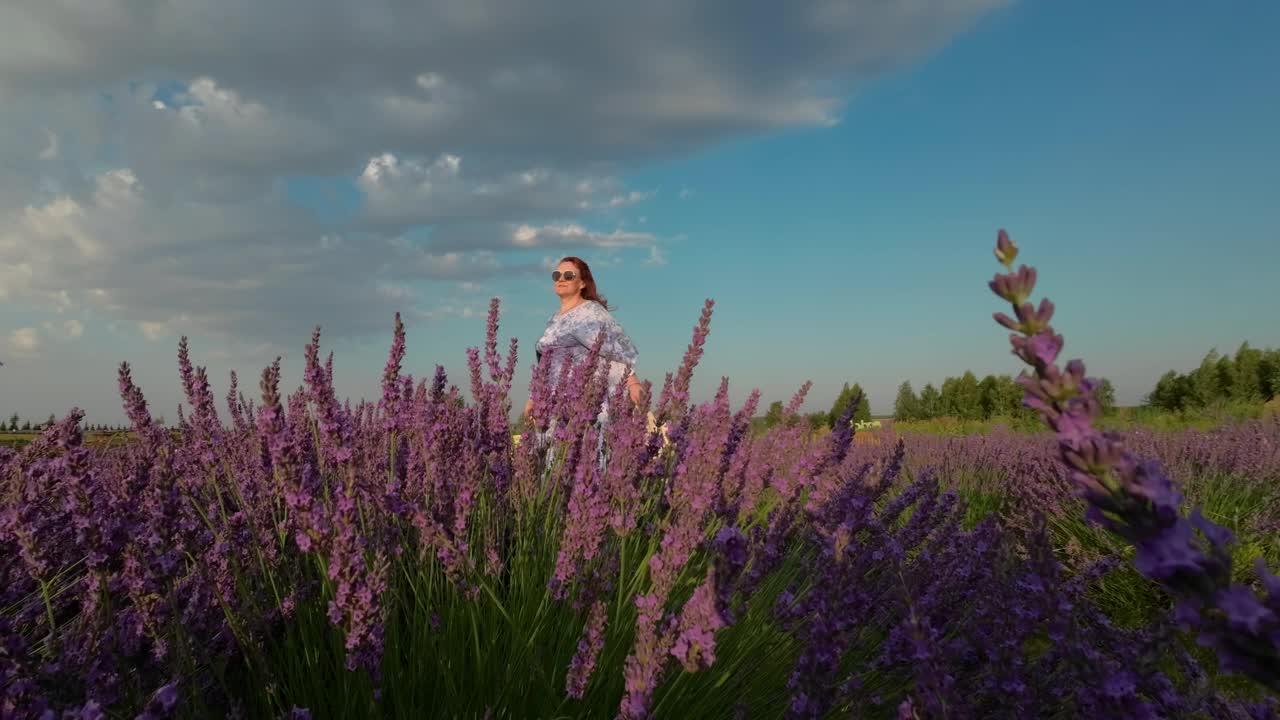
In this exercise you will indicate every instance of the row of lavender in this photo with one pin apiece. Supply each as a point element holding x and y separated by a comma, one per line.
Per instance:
<point>402,559</point>
<point>1241,458</point>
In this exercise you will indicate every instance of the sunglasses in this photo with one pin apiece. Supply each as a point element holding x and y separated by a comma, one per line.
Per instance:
<point>567,275</point>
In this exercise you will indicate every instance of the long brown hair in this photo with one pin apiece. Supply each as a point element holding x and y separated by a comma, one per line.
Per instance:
<point>589,291</point>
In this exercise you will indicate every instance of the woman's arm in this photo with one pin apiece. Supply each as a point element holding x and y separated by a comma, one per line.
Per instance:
<point>634,387</point>
<point>617,346</point>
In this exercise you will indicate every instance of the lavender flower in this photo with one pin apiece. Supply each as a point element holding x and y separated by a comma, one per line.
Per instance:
<point>391,390</point>
<point>206,562</point>
<point>589,647</point>
<point>695,645</point>
<point>1188,556</point>
<point>674,400</point>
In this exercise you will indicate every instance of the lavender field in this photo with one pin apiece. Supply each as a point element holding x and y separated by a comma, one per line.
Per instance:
<point>291,555</point>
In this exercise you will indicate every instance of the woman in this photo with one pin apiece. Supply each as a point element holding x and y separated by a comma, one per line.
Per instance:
<point>573,330</point>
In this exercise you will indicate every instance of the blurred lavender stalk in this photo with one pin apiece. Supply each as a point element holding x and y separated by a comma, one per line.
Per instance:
<point>1136,499</point>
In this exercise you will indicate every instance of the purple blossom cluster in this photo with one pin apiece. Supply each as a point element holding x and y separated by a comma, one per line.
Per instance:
<point>213,569</point>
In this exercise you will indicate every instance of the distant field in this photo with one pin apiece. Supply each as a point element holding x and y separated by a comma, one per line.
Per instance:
<point>19,439</point>
<point>1120,419</point>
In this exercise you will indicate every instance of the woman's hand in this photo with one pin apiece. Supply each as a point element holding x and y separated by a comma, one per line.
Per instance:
<point>528,407</point>
<point>634,387</point>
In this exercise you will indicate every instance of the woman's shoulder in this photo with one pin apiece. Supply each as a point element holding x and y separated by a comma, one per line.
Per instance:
<point>586,311</point>
<point>595,310</point>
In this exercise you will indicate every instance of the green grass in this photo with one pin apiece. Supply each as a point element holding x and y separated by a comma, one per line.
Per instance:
<point>1131,601</point>
<point>1123,418</point>
<point>92,439</point>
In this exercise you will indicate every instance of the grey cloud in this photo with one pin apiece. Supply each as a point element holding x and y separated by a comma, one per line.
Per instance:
<point>176,215</point>
<point>255,270</point>
<point>569,80</point>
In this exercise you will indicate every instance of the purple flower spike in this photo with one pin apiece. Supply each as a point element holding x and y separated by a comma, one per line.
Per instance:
<point>1006,250</point>
<point>1015,287</point>
<point>1189,557</point>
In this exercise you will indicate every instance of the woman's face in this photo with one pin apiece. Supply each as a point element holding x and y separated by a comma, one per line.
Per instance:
<point>565,287</point>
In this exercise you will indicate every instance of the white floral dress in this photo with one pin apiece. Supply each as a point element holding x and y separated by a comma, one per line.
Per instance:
<point>573,333</point>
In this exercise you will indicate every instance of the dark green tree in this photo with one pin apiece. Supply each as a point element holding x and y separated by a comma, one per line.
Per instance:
<point>774,415</point>
<point>1002,396</point>
<point>967,397</point>
<point>1106,394</point>
<point>947,398</point>
<point>906,406</point>
<point>1205,388</point>
<point>1269,374</point>
<point>1167,394</point>
<point>930,402</point>
<point>1228,384</point>
<point>1248,373</point>
<point>13,422</point>
<point>989,392</point>
<point>863,411</point>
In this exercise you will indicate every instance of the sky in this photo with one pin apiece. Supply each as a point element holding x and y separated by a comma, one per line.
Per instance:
<point>831,172</point>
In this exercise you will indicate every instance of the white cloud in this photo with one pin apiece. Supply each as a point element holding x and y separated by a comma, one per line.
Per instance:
<point>574,235</point>
<point>605,261</point>
<point>205,104</point>
<point>396,292</point>
<point>249,269</point>
<point>23,342</point>
<point>549,263</point>
<point>415,262</point>
<point>656,256</point>
<point>630,198</point>
<point>50,151</point>
<point>402,192</point>
<point>67,330</point>
<point>66,236</point>
<point>215,140</point>
<point>446,311</point>
<point>153,331</point>
<point>505,237</point>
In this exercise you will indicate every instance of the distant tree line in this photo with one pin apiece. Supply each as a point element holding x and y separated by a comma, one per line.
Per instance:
<point>820,419</point>
<point>968,398</point>
<point>1251,375</point>
<point>17,424</point>
<point>964,397</point>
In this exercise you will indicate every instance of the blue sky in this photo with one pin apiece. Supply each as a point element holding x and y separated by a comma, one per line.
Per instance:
<point>1134,156</point>
<point>1130,151</point>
